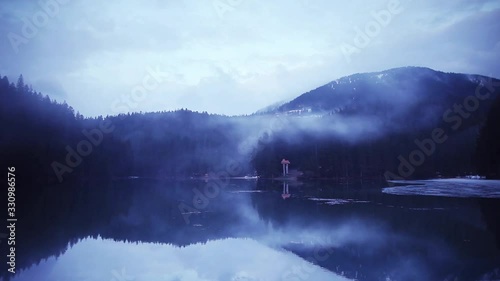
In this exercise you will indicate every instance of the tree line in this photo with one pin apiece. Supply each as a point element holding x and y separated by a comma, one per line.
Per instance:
<point>38,132</point>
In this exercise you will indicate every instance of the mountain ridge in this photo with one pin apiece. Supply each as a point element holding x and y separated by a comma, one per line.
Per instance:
<point>391,73</point>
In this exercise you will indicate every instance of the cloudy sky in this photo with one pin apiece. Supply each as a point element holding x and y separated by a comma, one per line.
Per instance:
<point>232,56</point>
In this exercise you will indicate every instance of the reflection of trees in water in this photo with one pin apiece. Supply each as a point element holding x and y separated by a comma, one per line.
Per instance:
<point>53,218</point>
<point>490,210</point>
<point>50,219</point>
<point>421,231</point>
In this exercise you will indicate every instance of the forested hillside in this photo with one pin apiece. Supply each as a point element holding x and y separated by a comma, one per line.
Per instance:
<point>405,123</point>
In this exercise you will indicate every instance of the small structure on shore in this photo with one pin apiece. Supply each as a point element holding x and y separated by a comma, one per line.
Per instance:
<point>285,163</point>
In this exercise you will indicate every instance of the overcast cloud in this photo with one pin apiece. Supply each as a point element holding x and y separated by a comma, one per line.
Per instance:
<point>231,56</point>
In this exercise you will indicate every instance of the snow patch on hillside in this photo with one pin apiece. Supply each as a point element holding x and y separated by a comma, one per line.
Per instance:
<point>448,187</point>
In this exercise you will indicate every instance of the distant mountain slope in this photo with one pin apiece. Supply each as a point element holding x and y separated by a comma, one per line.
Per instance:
<point>413,122</point>
<point>401,97</point>
<point>357,126</point>
<point>270,108</point>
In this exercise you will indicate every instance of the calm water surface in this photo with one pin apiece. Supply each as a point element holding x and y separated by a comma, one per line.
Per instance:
<point>142,229</point>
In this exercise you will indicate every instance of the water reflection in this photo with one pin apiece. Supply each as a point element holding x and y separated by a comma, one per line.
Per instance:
<point>286,192</point>
<point>225,259</point>
<point>370,236</point>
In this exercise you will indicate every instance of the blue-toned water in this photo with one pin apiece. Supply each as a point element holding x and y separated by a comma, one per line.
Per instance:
<point>146,229</point>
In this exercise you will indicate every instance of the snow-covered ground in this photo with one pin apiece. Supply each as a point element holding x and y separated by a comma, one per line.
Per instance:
<point>225,260</point>
<point>448,188</point>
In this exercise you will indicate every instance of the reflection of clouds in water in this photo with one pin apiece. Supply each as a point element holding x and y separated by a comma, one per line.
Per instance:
<point>228,259</point>
<point>316,234</point>
<point>342,243</point>
<point>493,275</point>
<point>244,276</point>
<point>353,232</point>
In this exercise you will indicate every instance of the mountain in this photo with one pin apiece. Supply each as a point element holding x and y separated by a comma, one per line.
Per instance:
<point>405,97</point>
<point>411,122</point>
<point>270,108</point>
<point>404,122</point>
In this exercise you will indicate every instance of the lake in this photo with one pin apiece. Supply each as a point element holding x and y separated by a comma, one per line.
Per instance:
<point>148,229</point>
